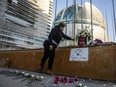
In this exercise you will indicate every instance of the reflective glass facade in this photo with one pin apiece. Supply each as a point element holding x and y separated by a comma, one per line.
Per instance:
<point>23,25</point>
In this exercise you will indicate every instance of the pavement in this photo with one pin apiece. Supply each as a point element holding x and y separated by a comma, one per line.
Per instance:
<point>48,81</point>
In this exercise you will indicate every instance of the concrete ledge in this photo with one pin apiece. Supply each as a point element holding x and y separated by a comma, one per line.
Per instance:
<point>101,64</point>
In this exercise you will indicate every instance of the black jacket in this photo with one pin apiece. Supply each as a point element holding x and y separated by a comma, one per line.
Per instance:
<point>56,34</point>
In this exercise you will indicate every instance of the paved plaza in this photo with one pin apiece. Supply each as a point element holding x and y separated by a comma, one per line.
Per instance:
<point>48,81</point>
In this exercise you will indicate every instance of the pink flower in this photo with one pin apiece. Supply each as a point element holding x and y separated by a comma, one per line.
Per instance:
<point>57,78</point>
<point>81,45</point>
<point>76,79</point>
<point>63,80</point>
<point>70,80</point>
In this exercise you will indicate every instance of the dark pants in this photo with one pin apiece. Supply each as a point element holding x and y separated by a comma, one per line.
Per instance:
<point>48,54</point>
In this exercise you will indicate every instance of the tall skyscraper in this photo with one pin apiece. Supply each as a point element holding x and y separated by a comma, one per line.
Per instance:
<point>24,24</point>
<point>47,6</point>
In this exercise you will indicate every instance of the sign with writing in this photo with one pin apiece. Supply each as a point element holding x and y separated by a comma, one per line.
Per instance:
<point>79,54</point>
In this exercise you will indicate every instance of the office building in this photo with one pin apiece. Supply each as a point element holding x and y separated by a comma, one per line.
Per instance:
<point>23,24</point>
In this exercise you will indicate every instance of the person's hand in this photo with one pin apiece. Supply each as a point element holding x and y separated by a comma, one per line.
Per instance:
<point>73,39</point>
<point>50,47</point>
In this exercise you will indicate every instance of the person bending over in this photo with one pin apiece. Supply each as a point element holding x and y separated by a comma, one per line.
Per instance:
<point>51,44</point>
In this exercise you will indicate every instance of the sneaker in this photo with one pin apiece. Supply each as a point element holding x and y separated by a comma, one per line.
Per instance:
<point>40,68</point>
<point>50,72</point>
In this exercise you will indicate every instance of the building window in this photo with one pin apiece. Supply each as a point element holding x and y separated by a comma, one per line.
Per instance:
<point>9,1</point>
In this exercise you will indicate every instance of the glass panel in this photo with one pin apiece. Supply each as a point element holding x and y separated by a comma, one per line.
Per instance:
<point>68,13</point>
<point>59,16</point>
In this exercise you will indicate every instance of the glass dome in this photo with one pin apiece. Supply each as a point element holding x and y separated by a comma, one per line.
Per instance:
<point>67,15</point>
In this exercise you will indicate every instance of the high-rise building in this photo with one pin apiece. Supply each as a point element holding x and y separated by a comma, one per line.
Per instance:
<point>47,6</point>
<point>24,24</point>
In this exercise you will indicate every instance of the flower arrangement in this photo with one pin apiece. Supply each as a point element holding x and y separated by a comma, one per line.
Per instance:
<point>58,80</point>
<point>83,36</point>
<point>95,42</point>
<point>84,33</point>
<point>98,41</point>
<point>63,79</point>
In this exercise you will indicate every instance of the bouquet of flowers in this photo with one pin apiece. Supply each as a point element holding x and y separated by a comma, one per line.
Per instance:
<point>84,33</point>
<point>98,41</point>
<point>95,42</point>
<point>83,37</point>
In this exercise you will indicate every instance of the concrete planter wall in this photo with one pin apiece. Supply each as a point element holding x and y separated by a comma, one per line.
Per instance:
<point>101,64</point>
